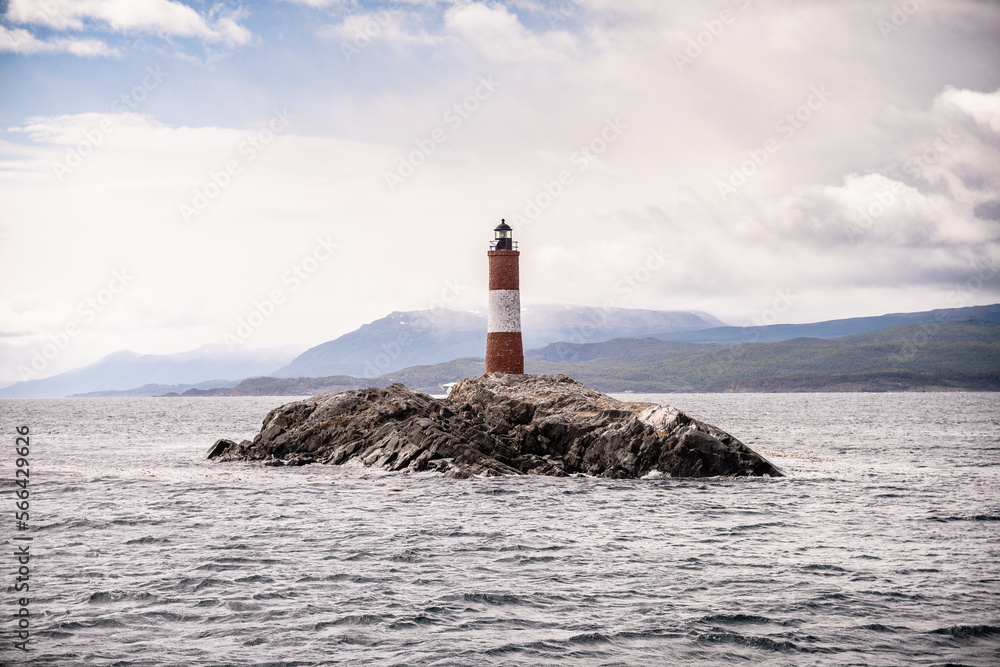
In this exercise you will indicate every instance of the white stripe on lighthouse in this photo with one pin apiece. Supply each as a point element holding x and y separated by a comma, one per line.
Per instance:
<point>505,311</point>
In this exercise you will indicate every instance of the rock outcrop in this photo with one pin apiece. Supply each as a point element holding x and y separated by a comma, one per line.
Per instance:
<point>496,425</point>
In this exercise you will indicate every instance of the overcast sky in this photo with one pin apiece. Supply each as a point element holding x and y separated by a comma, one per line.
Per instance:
<point>167,169</point>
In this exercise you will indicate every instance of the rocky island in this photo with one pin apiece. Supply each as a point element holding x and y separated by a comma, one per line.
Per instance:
<point>496,424</point>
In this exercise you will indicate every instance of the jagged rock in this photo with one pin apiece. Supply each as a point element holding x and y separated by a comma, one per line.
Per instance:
<point>220,447</point>
<point>496,425</point>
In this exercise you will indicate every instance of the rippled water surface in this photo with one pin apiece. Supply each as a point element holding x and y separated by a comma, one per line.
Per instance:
<point>882,546</point>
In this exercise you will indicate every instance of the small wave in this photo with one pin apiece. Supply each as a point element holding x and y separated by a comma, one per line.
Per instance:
<point>590,638</point>
<point>170,616</point>
<point>149,540</point>
<point>104,597</point>
<point>525,547</point>
<point>750,641</point>
<point>878,627</point>
<point>735,619</point>
<point>356,640</point>
<point>896,595</point>
<point>94,623</point>
<point>968,631</point>
<point>415,622</point>
<point>823,567</point>
<point>971,517</point>
<point>196,584</point>
<point>343,576</point>
<point>219,567</point>
<point>493,598</point>
<point>135,521</point>
<point>526,560</point>
<point>352,619</point>
<point>752,526</point>
<point>657,633</point>
<point>278,595</point>
<point>537,647</point>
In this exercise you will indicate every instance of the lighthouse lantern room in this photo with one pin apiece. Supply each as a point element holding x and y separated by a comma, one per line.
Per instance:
<point>503,240</point>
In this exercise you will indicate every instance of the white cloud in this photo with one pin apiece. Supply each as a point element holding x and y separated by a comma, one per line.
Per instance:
<point>19,40</point>
<point>316,3</point>
<point>499,34</point>
<point>470,30</point>
<point>393,26</point>
<point>160,17</point>
<point>983,107</point>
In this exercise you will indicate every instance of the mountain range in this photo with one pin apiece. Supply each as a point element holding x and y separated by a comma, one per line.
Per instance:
<point>956,355</point>
<point>206,366</point>
<point>612,349</point>
<point>830,328</point>
<point>419,338</point>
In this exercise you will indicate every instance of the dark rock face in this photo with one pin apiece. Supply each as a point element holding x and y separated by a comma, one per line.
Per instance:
<point>496,425</point>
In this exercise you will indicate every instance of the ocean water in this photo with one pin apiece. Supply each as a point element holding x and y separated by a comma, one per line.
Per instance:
<point>881,547</point>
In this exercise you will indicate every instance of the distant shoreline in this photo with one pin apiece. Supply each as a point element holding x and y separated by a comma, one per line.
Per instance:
<point>873,383</point>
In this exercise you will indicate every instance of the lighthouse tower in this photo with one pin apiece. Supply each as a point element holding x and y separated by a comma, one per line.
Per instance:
<point>504,353</point>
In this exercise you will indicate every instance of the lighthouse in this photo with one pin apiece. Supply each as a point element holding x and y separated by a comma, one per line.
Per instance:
<point>504,353</point>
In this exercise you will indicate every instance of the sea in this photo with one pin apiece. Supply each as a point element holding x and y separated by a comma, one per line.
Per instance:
<point>881,546</point>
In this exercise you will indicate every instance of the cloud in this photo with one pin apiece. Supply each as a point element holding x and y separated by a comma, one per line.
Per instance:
<point>493,32</point>
<point>395,26</point>
<point>913,222</point>
<point>316,3</point>
<point>159,17</point>
<point>983,107</point>
<point>18,40</point>
<point>499,35</point>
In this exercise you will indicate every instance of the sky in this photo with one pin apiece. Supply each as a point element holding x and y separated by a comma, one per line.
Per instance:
<point>278,173</point>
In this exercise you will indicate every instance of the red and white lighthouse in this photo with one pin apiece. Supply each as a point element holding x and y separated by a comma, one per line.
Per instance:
<point>504,352</point>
